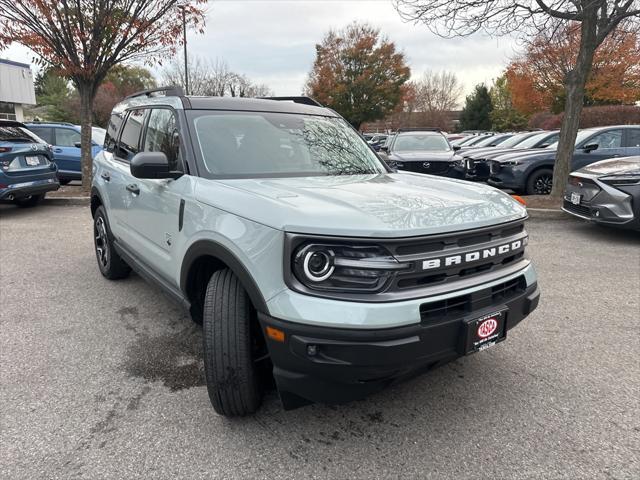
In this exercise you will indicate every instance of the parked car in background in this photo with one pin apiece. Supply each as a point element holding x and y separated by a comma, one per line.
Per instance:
<point>606,192</point>
<point>65,139</point>
<point>424,152</point>
<point>488,141</point>
<point>378,141</point>
<point>475,161</point>
<point>26,170</point>
<point>532,172</point>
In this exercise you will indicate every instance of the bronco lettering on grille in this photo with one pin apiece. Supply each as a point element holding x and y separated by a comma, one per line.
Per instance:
<point>473,256</point>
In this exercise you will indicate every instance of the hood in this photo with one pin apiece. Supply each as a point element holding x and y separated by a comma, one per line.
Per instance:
<point>614,166</point>
<point>389,205</point>
<point>480,152</point>
<point>422,156</point>
<point>526,154</point>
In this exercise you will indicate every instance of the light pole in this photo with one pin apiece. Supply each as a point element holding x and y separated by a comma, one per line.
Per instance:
<point>184,39</point>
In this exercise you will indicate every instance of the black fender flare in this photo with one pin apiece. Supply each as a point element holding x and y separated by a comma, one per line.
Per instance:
<point>214,249</point>
<point>95,193</point>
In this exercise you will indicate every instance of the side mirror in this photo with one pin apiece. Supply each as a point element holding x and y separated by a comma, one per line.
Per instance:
<point>77,144</point>
<point>590,147</point>
<point>544,145</point>
<point>456,148</point>
<point>152,165</point>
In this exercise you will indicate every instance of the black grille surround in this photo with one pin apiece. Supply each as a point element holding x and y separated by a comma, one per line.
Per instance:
<point>418,166</point>
<point>435,264</point>
<point>582,210</point>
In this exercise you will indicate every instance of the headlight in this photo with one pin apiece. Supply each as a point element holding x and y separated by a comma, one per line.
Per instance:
<point>510,163</point>
<point>621,180</point>
<point>355,268</point>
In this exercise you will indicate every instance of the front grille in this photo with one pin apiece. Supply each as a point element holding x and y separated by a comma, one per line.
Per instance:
<point>463,305</point>
<point>433,168</point>
<point>445,258</point>
<point>577,209</point>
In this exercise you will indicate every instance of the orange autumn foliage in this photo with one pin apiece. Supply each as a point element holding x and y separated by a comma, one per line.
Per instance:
<point>536,77</point>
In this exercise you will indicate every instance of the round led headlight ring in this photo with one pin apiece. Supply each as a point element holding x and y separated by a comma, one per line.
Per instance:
<point>318,265</point>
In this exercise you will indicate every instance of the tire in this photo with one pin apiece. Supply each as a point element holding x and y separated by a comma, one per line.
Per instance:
<point>30,201</point>
<point>233,382</point>
<point>64,182</point>
<point>110,263</point>
<point>540,182</point>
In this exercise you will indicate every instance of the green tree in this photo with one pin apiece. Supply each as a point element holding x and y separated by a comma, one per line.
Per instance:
<point>358,73</point>
<point>504,116</point>
<point>476,114</point>
<point>53,92</point>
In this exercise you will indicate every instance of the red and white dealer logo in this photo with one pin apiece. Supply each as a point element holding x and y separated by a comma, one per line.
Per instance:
<point>487,327</point>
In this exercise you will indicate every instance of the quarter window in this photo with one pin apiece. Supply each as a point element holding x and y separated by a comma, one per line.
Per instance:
<point>162,136</point>
<point>633,137</point>
<point>111,137</point>
<point>129,142</point>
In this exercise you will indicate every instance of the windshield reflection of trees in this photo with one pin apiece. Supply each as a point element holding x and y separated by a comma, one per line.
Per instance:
<point>335,148</point>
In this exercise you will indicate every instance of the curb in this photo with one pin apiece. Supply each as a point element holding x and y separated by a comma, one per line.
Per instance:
<point>547,213</point>
<point>84,201</point>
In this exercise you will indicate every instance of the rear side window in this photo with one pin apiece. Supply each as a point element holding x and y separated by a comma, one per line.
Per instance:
<point>16,134</point>
<point>45,133</point>
<point>66,137</point>
<point>111,137</point>
<point>633,137</point>
<point>162,135</point>
<point>129,142</point>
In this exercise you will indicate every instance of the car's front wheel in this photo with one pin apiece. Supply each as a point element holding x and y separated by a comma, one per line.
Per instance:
<point>540,182</point>
<point>230,354</point>
<point>111,265</point>
<point>30,201</point>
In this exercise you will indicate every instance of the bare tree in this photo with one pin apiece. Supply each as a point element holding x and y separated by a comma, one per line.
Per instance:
<point>434,95</point>
<point>212,78</point>
<point>597,19</point>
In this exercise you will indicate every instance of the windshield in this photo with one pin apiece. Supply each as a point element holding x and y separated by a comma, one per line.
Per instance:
<point>413,142</point>
<point>582,135</point>
<point>531,141</point>
<point>261,144</point>
<point>462,141</point>
<point>517,139</point>
<point>492,140</point>
<point>97,135</point>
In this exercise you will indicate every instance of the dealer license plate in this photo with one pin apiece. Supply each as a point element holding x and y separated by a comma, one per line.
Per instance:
<point>575,198</point>
<point>485,331</point>
<point>33,161</point>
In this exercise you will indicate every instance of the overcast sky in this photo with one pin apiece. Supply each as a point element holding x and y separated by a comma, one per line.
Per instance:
<point>273,42</point>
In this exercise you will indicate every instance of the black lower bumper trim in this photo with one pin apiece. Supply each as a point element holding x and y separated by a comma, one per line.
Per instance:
<point>334,365</point>
<point>21,192</point>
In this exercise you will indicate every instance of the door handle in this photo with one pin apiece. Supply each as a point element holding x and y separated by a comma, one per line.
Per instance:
<point>57,150</point>
<point>133,188</point>
<point>105,176</point>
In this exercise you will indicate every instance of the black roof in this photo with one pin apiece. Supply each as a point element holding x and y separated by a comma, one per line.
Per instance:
<point>254,105</point>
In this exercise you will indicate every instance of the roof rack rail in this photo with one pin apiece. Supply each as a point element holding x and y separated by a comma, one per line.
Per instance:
<point>170,91</point>
<point>302,100</point>
<point>419,129</point>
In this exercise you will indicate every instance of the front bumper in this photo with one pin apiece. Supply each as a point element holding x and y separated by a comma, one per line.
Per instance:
<point>25,189</point>
<point>439,168</point>
<point>600,203</point>
<point>338,365</point>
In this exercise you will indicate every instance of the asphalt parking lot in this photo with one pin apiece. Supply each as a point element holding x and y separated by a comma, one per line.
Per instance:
<point>103,379</point>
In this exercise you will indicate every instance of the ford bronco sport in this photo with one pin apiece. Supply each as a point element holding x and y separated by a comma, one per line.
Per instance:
<point>306,259</point>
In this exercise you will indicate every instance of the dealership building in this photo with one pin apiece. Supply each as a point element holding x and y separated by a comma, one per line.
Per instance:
<point>16,89</point>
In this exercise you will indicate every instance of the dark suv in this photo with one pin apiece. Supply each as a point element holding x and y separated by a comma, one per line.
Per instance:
<point>532,172</point>
<point>26,171</point>
<point>424,152</point>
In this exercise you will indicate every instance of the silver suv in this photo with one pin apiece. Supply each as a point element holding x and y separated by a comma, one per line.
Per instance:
<point>306,259</point>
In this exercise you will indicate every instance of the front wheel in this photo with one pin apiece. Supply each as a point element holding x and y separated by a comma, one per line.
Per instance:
<point>111,265</point>
<point>30,201</point>
<point>540,182</point>
<point>230,356</point>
